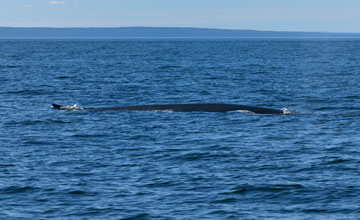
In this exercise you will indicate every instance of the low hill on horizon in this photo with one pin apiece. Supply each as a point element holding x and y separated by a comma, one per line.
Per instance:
<point>159,32</point>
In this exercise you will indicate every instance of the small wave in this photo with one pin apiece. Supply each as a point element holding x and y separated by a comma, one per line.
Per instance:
<point>350,114</point>
<point>225,201</point>
<point>161,184</point>
<point>266,188</point>
<point>195,156</point>
<point>17,189</point>
<point>38,142</point>
<point>137,216</point>
<point>77,192</point>
<point>165,110</point>
<point>89,135</point>
<point>314,210</point>
<point>7,165</point>
<point>64,77</point>
<point>8,66</point>
<point>337,161</point>
<point>28,92</point>
<point>286,111</point>
<point>168,67</point>
<point>36,122</point>
<point>31,122</point>
<point>60,122</point>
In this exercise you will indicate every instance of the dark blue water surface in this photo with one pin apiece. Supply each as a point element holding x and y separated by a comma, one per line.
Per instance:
<point>156,165</point>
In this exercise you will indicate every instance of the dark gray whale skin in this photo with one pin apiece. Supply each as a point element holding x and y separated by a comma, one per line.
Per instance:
<point>186,108</point>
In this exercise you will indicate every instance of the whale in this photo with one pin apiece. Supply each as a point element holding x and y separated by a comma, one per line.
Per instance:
<point>199,107</point>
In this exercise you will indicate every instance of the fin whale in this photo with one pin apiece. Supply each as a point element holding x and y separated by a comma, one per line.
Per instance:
<point>183,108</point>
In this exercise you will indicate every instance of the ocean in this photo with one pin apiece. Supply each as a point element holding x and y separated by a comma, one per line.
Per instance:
<point>181,165</point>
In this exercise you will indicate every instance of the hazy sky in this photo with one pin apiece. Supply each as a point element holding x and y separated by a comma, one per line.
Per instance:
<point>290,15</point>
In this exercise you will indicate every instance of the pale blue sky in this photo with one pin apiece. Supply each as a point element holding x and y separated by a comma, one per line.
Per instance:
<point>288,15</point>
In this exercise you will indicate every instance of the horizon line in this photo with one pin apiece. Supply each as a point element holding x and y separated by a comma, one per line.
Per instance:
<point>176,27</point>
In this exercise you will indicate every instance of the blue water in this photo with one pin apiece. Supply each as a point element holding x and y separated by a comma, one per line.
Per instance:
<point>156,165</point>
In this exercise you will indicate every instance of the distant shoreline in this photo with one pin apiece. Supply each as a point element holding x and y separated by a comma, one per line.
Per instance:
<point>157,32</point>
